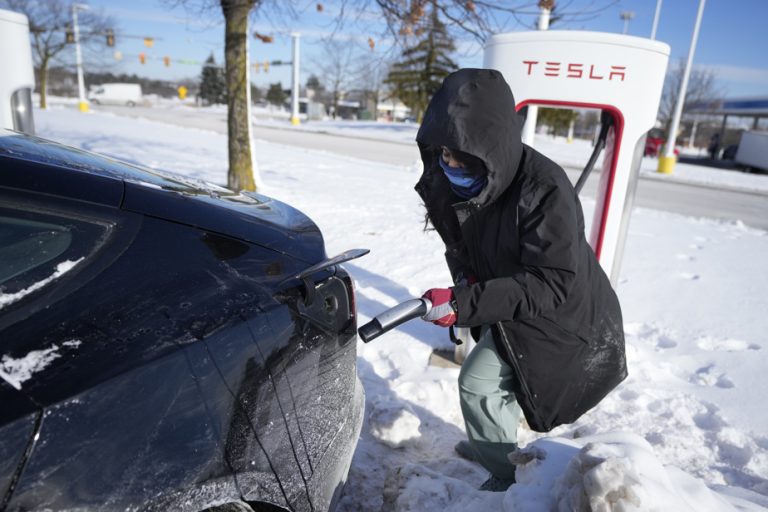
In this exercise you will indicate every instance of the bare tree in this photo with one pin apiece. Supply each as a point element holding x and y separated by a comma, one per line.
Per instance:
<point>338,69</point>
<point>478,18</point>
<point>49,22</point>
<point>702,91</point>
<point>371,72</point>
<point>236,12</point>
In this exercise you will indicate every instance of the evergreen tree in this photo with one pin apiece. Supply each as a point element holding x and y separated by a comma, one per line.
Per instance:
<point>314,83</point>
<point>276,95</point>
<point>423,66</point>
<point>213,87</point>
<point>256,94</point>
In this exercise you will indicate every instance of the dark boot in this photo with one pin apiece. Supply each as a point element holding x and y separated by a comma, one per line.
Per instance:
<point>495,484</point>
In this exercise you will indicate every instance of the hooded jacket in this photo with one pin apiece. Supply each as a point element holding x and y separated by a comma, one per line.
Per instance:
<point>555,318</point>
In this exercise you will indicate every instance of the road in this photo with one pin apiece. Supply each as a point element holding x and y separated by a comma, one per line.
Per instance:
<point>683,198</point>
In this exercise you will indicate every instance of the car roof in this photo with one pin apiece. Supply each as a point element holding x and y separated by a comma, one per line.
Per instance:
<point>42,166</point>
<point>45,153</point>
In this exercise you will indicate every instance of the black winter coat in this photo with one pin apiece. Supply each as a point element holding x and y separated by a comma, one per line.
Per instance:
<point>555,318</point>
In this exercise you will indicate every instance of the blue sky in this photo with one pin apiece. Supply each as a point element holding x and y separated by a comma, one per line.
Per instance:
<point>733,39</point>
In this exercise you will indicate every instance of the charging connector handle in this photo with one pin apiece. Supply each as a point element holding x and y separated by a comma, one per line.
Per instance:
<point>606,121</point>
<point>391,318</point>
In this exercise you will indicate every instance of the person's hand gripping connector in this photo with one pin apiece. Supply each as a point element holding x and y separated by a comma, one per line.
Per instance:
<point>443,312</point>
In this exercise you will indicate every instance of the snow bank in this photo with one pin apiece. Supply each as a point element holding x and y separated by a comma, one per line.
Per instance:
<point>604,473</point>
<point>614,472</point>
<point>393,423</point>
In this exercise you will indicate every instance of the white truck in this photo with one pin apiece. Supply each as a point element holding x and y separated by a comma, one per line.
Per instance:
<point>753,150</point>
<point>17,77</point>
<point>115,94</point>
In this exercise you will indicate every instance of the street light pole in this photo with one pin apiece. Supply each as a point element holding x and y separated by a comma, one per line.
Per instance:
<point>656,19</point>
<point>295,81</point>
<point>667,162</point>
<point>79,58</point>
<point>529,128</point>
<point>627,17</point>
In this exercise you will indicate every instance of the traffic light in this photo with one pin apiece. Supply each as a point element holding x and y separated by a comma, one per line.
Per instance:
<point>256,66</point>
<point>70,34</point>
<point>167,61</point>
<point>110,37</point>
<point>148,42</point>
<point>142,58</point>
<point>266,66</point>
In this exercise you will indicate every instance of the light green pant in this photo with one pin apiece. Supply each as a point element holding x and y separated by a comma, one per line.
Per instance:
<point>491,413</point>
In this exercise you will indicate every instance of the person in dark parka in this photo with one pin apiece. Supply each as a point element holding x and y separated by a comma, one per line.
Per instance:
<point>551,340</point>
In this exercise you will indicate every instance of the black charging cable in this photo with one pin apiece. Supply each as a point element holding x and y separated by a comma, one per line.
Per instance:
<point>606,121</point>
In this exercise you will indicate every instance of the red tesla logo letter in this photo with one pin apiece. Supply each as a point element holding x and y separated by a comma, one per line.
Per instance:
<point>530,64</point>
<point>552,69</point>
<point>617,71</point>
<point>575,71</point>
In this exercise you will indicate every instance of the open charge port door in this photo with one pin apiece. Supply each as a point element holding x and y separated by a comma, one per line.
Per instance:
<point>316,382</point>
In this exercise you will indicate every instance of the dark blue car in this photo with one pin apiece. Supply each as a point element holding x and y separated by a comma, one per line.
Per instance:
<point>166,344</point>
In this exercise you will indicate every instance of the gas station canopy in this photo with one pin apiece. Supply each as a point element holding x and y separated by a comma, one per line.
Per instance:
<point>746,107</point>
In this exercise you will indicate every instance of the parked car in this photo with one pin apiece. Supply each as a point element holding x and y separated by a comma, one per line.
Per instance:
<point>653,142</point>
<point>116,94</point>
<point>166,344</point>
<point>729,153</point>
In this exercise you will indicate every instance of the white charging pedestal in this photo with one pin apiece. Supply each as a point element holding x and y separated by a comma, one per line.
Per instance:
<point>17,78</point>
<point>618,74</point>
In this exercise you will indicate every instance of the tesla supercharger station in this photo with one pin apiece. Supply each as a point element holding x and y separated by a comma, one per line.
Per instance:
<point>17,77</point>
<point>622,76</point>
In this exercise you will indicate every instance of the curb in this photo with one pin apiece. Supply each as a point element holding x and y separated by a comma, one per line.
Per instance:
<point>716,186</point>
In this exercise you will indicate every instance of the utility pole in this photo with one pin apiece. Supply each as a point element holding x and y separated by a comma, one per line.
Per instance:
<point>529,129</point>
<point>295,80</point>
<point>627,17</point>
<point>79,58</point>
<point>667,162</point>
<point>656,19</point>
<point>693,132</point>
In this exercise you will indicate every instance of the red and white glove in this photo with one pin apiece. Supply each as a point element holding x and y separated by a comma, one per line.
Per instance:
<point>443,312</point>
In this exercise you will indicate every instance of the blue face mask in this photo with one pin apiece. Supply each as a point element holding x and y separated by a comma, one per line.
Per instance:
<point>464,183</point>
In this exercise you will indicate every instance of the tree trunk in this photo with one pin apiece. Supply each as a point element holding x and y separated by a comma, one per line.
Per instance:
<point>335,103</point>
<point>240,176</point>
<point>44,83</point>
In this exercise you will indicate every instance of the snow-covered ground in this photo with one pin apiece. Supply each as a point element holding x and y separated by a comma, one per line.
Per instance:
<point>686,430</point>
